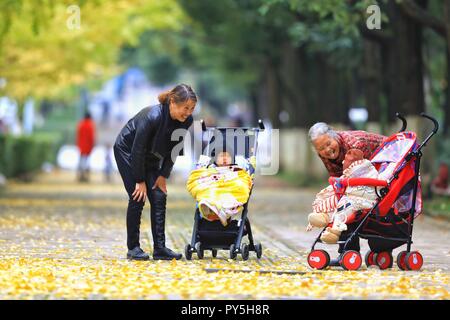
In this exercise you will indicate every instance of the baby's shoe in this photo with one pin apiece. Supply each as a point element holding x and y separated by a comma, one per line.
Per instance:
<point>330,235</point>
<point>318,219</point>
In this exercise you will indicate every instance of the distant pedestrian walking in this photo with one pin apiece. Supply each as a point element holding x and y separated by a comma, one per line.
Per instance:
<point>85,143</point>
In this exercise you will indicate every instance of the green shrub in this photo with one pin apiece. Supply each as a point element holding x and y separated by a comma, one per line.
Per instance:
<point>438,207</point>
<point>444,151</point>
<point>2,151</point>
<point>23,155</point>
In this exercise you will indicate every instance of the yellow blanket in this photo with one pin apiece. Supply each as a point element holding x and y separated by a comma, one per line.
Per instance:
<point>220,191</point>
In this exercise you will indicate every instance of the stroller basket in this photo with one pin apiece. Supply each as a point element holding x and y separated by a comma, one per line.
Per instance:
<point>217,235</point>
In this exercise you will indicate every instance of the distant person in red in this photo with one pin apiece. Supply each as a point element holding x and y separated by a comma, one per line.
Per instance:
<point>85,143</point>
<point>440,185</point>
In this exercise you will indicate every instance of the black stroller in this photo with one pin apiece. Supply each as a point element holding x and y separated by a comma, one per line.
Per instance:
<point>212,235</point>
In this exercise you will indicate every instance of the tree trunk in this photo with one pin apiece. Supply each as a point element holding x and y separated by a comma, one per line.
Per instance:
<point>370,73</point>
<point>446,108</point>
<point>306,84</point>
<point>402,65</point>
<point>293,86</point>
<point>274,96</point>
<point>447,100</point>
<point>254,105</point>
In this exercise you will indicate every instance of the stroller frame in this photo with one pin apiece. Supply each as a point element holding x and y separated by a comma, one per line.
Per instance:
<point>406,260</point>
<point>234,232</point>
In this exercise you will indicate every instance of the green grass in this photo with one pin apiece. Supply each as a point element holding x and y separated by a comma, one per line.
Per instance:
<point>438,207</point>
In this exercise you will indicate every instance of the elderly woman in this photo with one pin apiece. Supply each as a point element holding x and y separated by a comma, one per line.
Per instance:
<point>331,146</point>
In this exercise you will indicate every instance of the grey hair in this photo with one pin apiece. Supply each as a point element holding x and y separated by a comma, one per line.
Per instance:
<point>319,129</point>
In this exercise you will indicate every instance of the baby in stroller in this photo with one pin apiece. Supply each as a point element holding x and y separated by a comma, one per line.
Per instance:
<point>332,205</point>
<point>221,189</point>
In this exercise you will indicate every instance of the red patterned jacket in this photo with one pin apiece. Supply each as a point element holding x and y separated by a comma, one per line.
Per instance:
<point>362,140</point>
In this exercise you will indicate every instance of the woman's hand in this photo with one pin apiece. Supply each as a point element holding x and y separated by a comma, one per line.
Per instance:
<point>161,184</point>
<point>140,192</point>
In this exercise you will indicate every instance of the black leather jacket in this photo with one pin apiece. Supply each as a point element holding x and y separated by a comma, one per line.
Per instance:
<point>145,141</point>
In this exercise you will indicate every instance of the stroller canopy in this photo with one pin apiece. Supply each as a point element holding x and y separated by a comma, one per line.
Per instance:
<point>391,161</point>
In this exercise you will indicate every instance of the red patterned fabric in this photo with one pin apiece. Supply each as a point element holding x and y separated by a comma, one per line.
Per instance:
<point>326,205</point>
<point>362,140</point>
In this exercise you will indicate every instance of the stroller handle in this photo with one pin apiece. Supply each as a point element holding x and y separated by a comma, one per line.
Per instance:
<point>435,122</point>
<point>260,127</point>
<point>404,123</point>
<point>433,132</point>
<point>202,122</point>
<point>247,132</point>
<point>353,182</point>
<point>261,124</point>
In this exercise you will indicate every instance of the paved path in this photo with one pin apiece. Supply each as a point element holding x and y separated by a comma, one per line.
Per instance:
<point>61,239</point>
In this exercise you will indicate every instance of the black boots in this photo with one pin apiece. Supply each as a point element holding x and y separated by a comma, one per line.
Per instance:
<point>158,254</point>
<point>137,254</point>
<point>158,221</point>
<point>165,254</point>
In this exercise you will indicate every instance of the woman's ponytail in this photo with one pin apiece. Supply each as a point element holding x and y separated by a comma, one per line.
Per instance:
<point>164,97</point>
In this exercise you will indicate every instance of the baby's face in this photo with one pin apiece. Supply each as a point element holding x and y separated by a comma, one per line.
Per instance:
<point>351,156</point>
<point>223,159</point>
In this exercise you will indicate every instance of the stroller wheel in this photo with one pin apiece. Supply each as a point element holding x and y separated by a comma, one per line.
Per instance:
<point>351,260</point>
<point>244,251</point>
<point>232,251</point>
<point>370,258</point>
<point>199,249</point>
<point>318,259</point>
<point>214,253</point>
<point>384,260</point>
<point>258,249</point>
<point>414,260</point>
<point>401,262</point>
<point>188,252</point>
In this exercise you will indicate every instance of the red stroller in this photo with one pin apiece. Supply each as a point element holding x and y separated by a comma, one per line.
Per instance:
<point>389,224</point>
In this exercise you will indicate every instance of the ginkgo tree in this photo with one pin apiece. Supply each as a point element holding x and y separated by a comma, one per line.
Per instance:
<point>47,46</point>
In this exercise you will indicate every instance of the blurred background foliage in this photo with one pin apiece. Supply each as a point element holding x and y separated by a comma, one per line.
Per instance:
<point>307,60</point>
<point>298,56</point>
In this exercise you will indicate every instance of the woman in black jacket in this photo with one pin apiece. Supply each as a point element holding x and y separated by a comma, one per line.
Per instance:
<point>143,155</point>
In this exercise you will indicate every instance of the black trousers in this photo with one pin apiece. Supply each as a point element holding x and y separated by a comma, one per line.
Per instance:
<point>157,200</point>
